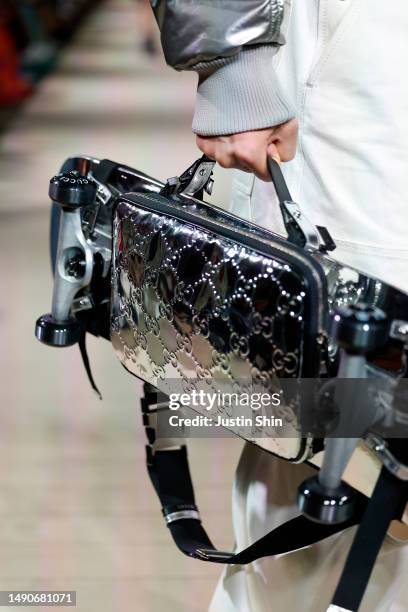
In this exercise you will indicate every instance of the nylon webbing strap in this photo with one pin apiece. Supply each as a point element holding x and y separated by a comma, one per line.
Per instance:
<point>387,503</point>
<point>170,475</point>
<point>87,365</point>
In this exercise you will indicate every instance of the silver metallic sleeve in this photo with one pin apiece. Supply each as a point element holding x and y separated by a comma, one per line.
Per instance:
<point>194,31</point>
<point>230,44</point>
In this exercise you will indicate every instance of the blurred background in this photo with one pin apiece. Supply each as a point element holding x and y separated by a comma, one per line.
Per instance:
<point>77,510</point>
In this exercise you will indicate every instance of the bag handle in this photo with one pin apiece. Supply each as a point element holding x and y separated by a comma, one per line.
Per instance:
<point>194,181</point>
<point>300,230</point>
<point>281,188</point>
<point>197,179</point>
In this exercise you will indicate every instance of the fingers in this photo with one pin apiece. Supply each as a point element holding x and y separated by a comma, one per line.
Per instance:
<point>245,151</point>
<point>272,152</point>
<point>218,148</point>
<point>284,139</point>
<point>249,151</point>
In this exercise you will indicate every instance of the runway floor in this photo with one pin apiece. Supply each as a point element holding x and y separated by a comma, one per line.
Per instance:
<point>77,510</point>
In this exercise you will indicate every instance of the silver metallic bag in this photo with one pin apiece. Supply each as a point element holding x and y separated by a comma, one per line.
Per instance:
<point>195,299</point>
<point>203,300</point>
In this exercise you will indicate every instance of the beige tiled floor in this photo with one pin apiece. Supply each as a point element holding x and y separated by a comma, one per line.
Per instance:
<point>106,99</point>
<point>76,508</point>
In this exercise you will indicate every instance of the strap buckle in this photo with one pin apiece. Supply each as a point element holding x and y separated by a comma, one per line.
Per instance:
<point>181,512</point>
<point>216,556</point>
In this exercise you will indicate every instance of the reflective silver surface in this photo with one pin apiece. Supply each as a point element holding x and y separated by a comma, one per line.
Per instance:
<point>66,286</point>
<point>182,515</point>
<point>194,310</point>
<point>234,23</point>
<point>191,309</point>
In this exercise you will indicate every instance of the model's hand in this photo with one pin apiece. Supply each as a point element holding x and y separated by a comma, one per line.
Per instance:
<point>249,151</point>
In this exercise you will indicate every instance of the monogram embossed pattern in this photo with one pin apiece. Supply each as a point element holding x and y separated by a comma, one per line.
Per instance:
<point>190,306</point>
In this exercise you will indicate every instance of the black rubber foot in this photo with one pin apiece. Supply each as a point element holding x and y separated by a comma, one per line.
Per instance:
<point>324,505</point>
<point>50,332</point>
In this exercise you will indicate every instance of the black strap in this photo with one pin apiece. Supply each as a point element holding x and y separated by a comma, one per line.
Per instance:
<point>293,227</point>
<point>294,231</point>
<point>170,475</point>
<point>278,181</point>
<point>87,365</point>
<point>387,503</point>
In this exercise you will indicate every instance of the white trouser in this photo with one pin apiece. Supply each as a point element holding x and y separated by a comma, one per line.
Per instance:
<point>344,65</point>
<point>303,581</point>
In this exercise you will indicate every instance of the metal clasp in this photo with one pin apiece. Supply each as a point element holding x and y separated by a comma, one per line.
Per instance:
<point>194,181</point>
<point>315,238</point>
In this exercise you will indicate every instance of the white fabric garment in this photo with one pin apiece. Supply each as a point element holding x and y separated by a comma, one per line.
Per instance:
<point>343,71</point>
<point>343,65</point>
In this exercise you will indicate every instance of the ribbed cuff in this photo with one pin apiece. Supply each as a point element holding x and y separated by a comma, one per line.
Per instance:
<point>239,94</point>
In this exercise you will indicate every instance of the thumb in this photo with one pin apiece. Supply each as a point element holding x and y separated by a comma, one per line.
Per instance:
<point>273,153</point>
